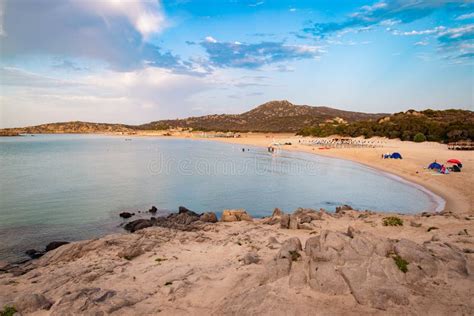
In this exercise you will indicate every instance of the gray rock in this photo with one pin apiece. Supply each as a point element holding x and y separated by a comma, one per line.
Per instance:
<point>251,257</point>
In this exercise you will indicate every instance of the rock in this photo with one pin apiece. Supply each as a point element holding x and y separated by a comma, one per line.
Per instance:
<point>208,217</point>
<point>55,244</point>
<point>126,214</point>
<point>276,269</point>
<point>377,271</point>
<point>298,278</point>
<point>273,243</point>
<point>131,252</point>
<point>285,221</point>
<point>251,257</point>
<point>277,212</point>
<point>183,209</point>
<point>29,303</point>
<point>293,222</point>
<point>290,249</point>
<point>138,224</point>
<point>34,254</point>
<point>305,226</point>
<point>342,208</point>
<point>415,224</point>
<point>435,237</point>
<point>153,209</point>
<point>93,301</point>
<point>235,216</point>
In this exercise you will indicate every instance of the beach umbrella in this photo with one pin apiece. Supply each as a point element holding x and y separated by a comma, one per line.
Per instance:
<point>455,161</point>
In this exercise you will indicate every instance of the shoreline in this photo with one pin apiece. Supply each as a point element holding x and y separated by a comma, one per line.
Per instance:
<point>456,195</point>
<point>453,200</point>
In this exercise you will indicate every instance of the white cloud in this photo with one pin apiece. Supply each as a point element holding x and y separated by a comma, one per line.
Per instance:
<point>127,97</point>
<point>210,39</point>
<point>435,30</point>
<point>145,15</point>
<point>466,16</point>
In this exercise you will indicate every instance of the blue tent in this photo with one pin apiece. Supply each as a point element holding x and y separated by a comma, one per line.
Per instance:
<point>434,165</point>
<point>396,156</point>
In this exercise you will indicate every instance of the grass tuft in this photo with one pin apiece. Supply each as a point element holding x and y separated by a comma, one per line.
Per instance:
<point>401,263</point>
<point>8,311</point>
<point>392,221</point>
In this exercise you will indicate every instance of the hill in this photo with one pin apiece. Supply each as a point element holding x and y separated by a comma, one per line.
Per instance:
<point>440,126</point>
<point>76,127</point>
<point>274,116</point>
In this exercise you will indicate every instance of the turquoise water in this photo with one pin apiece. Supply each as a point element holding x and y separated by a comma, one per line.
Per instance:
<point>70,187</point>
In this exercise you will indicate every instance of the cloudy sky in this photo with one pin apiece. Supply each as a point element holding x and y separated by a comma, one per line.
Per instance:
<point>134,61</point>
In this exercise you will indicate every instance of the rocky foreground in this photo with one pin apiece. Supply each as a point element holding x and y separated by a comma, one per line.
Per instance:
<point>308,262</point>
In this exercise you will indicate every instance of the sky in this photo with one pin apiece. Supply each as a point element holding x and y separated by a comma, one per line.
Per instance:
<point>143,60</point>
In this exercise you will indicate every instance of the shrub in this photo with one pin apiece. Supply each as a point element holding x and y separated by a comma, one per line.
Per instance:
<point>419,138</point>
<point>8,311</point>
<point>401,263</point>
<point>392,221</point>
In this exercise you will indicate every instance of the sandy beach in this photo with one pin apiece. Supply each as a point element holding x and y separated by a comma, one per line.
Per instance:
<point>455,188</point>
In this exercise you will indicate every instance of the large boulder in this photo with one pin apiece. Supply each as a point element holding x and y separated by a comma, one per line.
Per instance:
<point>29,303</point>
<point>208,217</point>
<point>378,272</point>
<point>235,216</point>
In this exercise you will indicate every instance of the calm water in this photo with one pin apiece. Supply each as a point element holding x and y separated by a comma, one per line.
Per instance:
<point>70,187</point>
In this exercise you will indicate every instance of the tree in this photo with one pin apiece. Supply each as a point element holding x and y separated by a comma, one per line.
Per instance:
<point>419,138</point>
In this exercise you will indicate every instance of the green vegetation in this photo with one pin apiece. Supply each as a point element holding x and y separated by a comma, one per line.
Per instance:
<point>430,125</point>
<point>401,263</point>
<point>419,138</point>
<point>295,255</point>
<point>392,221</point>
<point>8,311</point>
<point>432,228</point>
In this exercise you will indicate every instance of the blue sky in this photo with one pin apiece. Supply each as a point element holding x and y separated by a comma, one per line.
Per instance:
<point>138,61</point>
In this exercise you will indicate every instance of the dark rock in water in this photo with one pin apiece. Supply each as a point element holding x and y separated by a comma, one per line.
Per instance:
<point>55,244</point>
<point>126,214</point>
<point>138,224</point>
<point>185,220</point>
<point>208,217</point>
<point>183,209</point>
<point>33,253</point>
<point>153,209</point>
